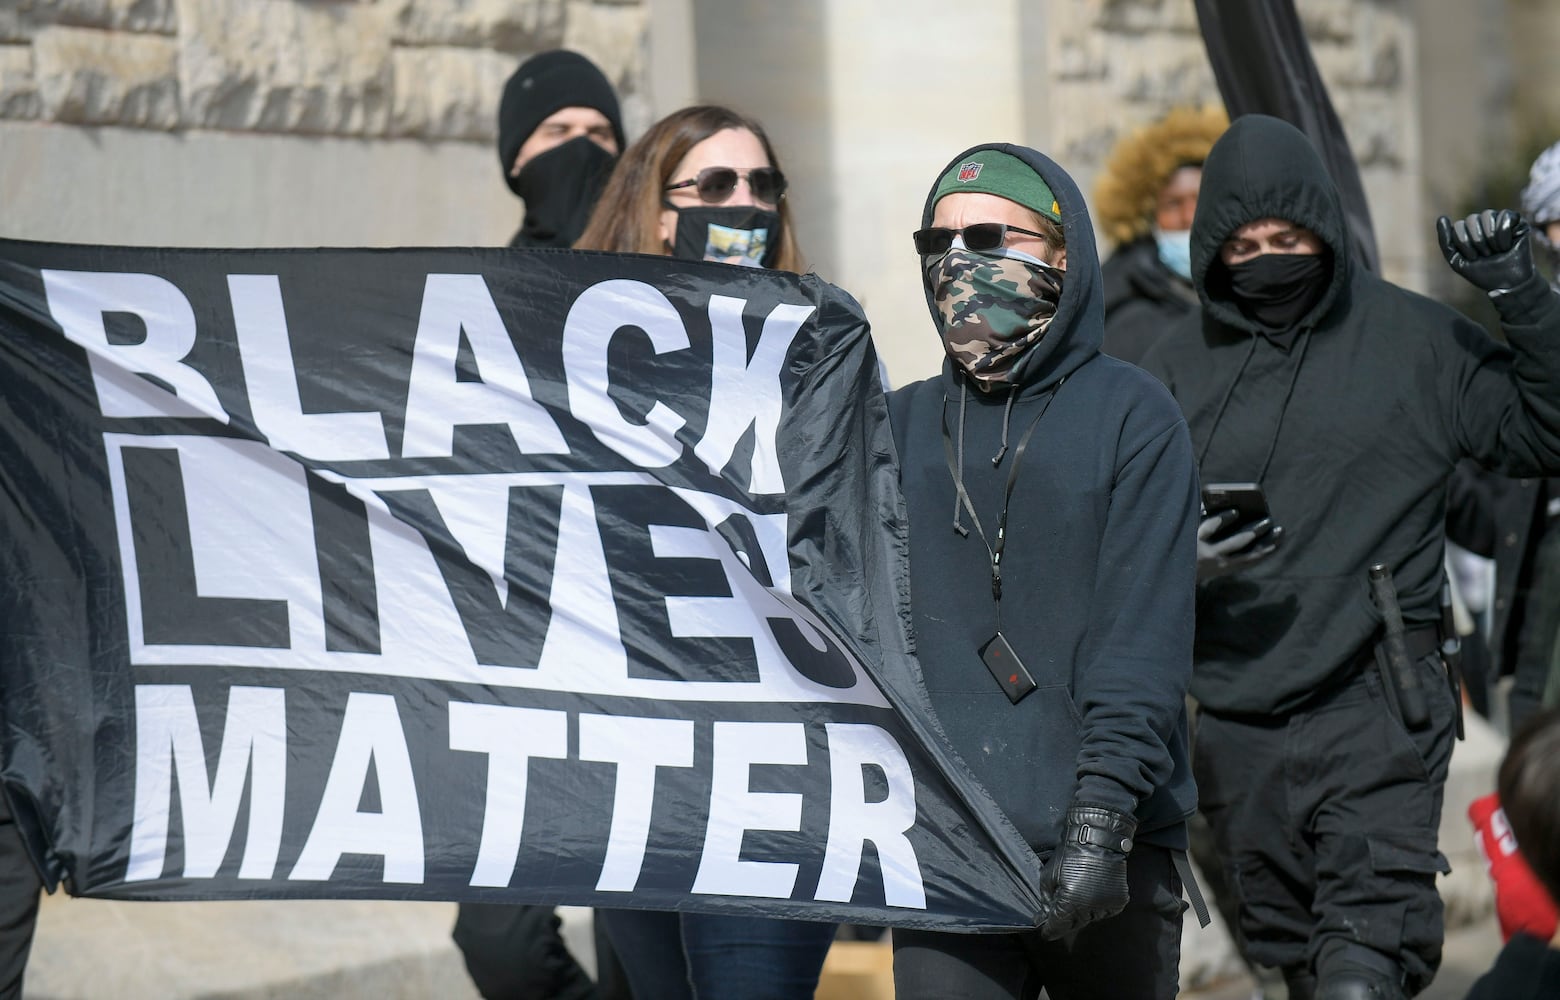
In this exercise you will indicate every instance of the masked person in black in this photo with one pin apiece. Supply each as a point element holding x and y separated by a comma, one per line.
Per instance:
<point>1052,508</point>
<point>1516,522</point>
<point>559,133</point>
<point>1321,764</point>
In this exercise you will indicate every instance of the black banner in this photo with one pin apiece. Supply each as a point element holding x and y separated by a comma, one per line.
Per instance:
<point>467,574</point>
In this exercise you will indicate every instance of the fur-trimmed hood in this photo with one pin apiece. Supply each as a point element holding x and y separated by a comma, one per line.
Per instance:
<point>1141,163</point>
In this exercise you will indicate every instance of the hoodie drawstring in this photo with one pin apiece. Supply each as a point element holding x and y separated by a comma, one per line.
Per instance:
<point>1007,414</point>
<point>1283,407</point>
<point>961,496</point>
<point>1224,402</point>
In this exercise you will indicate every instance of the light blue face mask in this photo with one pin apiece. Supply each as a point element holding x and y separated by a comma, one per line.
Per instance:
<point>1175,250</point>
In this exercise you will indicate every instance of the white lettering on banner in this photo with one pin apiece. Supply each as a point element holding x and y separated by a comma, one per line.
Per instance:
<point>151,377</point>
<point>370,734</point>
<point>600,312</point>
<point>437,401</point>
<point>421,634</point>
<point>278,562</point>
<point>853,820</point>
<point>510,737</point>
<point>735,809</point>
<point>265,350</point>
<point>79,300</point>
<point>254,742</point>
<point>638,747</point>
<point>746,393</point>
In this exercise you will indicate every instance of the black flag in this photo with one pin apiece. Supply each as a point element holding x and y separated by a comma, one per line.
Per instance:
<point>516,576</point>
<point>1263,65</point>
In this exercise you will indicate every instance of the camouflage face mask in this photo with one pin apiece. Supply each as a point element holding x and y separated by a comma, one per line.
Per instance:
<point>993,309</point>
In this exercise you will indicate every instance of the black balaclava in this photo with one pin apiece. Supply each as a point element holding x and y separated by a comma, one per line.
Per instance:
<point>560,188</point>
<point>1278,290</point>
<point>544,84</point>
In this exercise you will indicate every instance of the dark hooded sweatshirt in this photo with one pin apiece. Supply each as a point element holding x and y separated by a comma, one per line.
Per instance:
<point>1351,422</point>
<point>1098,574</point>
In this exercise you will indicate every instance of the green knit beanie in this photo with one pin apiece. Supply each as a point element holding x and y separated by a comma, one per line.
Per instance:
<point>1004,175</point>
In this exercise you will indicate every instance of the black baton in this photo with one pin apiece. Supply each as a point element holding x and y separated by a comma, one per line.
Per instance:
<point>1398,669</point>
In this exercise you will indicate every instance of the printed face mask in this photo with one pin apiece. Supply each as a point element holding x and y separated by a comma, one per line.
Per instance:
<point>740,234</point>
<point>1279,289</point>
<point>1175,250</point>
<point>993,308</point>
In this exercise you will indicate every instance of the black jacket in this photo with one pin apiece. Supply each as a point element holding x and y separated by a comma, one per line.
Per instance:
<point>1505,520</point>
<point>1352,422</point>
<point>1143,299</point>
<point>1098,575</point>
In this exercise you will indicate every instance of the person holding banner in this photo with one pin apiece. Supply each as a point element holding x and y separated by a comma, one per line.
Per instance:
<point>703,184</point>
<point>1327,696</point>
<point>1053,610</point>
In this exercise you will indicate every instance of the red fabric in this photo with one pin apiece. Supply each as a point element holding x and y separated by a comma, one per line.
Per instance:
<point>1521,904</point>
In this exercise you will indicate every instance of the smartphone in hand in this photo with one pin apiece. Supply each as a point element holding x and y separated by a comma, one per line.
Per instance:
<point>1246,499</point>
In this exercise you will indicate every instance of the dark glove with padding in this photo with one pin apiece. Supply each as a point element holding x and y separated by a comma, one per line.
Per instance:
<point>1488,248</point>
<point>1086,878</point>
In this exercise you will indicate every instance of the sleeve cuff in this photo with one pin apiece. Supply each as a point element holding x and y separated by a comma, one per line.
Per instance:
<point>1526,303</point>
<point>1096,789</point>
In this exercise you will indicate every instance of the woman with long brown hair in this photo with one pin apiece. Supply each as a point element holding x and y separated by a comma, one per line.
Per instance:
<point>704,184</point>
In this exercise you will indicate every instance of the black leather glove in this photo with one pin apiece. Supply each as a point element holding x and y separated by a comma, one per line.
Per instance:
<point>1489,248</point>
<point>1086,878</point>
<point>1242,549</point>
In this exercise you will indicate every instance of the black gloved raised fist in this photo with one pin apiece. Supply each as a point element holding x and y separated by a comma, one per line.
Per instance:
<point>1488,248</point>
<point>1086,879</point>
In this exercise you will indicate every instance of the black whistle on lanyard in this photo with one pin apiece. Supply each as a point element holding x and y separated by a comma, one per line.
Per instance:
<point>1392,658</point>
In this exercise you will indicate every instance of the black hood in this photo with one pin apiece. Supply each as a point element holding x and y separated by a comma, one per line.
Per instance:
<point>1262,168</point>
<point>1079,324</point>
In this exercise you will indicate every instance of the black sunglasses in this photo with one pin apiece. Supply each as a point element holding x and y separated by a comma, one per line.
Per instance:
<point>982,236</point>
<point>715,184</point>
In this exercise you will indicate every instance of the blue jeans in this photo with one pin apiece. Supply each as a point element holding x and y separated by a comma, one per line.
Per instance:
<point>696,956</point>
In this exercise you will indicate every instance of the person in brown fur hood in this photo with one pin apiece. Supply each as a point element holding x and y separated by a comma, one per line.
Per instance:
<point>1144,200</point>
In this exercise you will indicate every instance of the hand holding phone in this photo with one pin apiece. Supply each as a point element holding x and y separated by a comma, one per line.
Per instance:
<point>1246,500</point>
<point>1237,530</point>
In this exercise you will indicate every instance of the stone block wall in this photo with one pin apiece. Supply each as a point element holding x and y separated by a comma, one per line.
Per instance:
<point>430,70</point>
<point>279,122</point>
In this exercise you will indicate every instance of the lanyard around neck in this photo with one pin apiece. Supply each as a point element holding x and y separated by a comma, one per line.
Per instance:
<point>994,547</point>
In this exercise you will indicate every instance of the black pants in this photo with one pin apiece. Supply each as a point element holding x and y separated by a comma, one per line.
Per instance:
<point>19,888</point>
<point>517,953</point>
<point>1326,819</point>
<point>1136,953</point>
